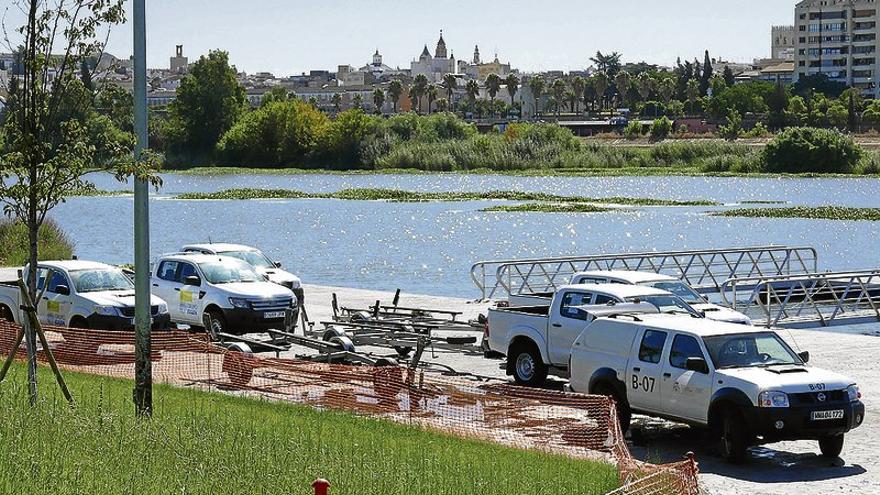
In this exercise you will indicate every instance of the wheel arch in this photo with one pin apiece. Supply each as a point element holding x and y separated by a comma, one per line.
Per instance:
<point>725,399</point>
<point>521,340</point>
<point>609,376</point>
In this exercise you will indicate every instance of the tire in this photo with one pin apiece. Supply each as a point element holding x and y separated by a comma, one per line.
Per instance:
<point>735,437</point>
<point>218,325</point>
<point>236,364</point>
<point>831,446</point>
<point>526,365</point>
<point>79,322</point>
<point>6,314</point>
<point>624,413</point>
<point>403,351</point>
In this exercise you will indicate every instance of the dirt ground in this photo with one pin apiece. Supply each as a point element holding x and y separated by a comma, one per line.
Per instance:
<point>781,468</point>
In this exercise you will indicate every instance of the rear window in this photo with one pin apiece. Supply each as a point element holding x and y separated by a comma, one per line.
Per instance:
<point>571,300</point>
<point>652,346</point>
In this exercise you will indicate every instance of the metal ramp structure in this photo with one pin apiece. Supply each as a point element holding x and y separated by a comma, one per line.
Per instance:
<point>804,301</point>
<point>704,269</point>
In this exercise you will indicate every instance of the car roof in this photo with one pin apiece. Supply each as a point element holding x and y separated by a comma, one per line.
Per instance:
<point>73,265</point>
<point>198,258</point>
<point>618,290</point>
<point>701,327</point>
<point>628,276</point>
<point>220,247</point>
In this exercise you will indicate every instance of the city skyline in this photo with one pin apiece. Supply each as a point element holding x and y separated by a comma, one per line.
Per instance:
<point>275,39</point>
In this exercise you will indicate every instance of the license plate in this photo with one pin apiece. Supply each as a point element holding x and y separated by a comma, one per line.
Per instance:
<point>273,314</point>
<point>823,415</point>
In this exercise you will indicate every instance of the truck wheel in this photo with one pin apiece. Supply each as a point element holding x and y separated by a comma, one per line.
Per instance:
<point>735,438</point>
<point>6,314</point>
<point>79,322</point>
<point>624,413</point>
<point>217,326</point>
<point>527,366</point>
<point>831,446</point>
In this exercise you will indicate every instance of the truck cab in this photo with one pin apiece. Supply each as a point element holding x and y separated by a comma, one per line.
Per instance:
<point>744,384</point>
<point>82,294</point>
<point>263,264</point>
<point>236,298</point>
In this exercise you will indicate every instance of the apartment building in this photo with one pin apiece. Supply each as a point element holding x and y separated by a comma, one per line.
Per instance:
<point>838,38</point>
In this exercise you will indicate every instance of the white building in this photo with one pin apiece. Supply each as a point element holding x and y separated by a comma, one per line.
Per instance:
<point>434,68</point>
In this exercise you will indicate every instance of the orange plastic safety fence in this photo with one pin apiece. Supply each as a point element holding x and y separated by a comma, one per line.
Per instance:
<point>575,425</point>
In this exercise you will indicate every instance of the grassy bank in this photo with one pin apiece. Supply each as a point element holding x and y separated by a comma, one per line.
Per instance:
<point>813,212</point>
<point>53,243</point>
<point>413,196</point>
<point>204,443</point>
<point>549,208</point>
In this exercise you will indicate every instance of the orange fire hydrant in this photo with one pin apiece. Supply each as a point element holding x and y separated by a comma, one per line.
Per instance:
<point>321,486</point>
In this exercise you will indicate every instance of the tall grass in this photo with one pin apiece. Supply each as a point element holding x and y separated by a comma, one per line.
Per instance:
<point>207,443</point>
<point>53,243</point>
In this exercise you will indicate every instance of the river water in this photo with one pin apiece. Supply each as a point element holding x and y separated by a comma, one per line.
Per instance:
<point>429,247</point>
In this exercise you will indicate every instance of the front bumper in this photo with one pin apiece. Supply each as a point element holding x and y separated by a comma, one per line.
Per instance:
<point>797,424</point>
<point>125,324</point>
<point>242,321</point>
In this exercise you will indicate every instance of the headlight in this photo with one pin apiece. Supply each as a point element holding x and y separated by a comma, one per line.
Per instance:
<point>106,311</point>
<point>773,399</point>
<point>239,302</point>
<point>295,284</point>
<point>163,308</point>
<point>853,393</point>
<point>293,301</point>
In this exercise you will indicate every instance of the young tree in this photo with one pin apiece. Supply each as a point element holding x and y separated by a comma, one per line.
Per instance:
<point>357,102</point>
<point>209,101</point>
<point>472,88</point>
<point>600,82</point>
<point>450,83</point>
<point>693,93</point>
<point>336,99</point>
<point>645,85</point>
<point>558,90</point>
<point>431,92</point>
<point>395,89</point>
<point>578,85</point>
<point>706,76</point>
<point>622,80</point>
<point>418,90</point>
<point>729,78</point>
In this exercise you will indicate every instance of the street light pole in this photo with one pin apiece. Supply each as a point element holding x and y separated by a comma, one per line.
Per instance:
<point>143,391</point>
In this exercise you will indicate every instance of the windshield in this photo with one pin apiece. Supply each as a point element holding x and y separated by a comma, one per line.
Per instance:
<point>751,349</point>
<point>100,280</point>
<point>666,304</point>
<point>230,271</point>
<point>255,258</point>
<point>680,289</point>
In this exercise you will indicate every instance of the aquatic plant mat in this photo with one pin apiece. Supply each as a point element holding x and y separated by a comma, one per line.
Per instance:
<point>812,212</point>
<point>560,429</point>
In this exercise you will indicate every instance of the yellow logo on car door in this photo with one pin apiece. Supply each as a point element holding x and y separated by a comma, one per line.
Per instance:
<point>186,296</point>
<point>53,307</point>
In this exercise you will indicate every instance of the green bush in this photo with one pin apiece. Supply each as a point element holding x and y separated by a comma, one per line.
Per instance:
<point>733,130</point>
<point>52,243</point>
<point>661,128</point>
<point>808,149</point>
<point>633,130</point>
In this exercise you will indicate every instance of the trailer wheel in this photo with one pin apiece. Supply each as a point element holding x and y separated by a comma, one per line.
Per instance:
<point>344,342</point>
<point>361,316</point>
<point>332,332</point>
<point>215,325</point>
<point>403,351</point>
<point>236,364</point>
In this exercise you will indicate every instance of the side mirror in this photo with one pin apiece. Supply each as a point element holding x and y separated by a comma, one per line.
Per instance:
<point>697,364</point>
<point>62,290</point>
<point>192,280</point>
<point>277,264</point>
<point>805,356</point>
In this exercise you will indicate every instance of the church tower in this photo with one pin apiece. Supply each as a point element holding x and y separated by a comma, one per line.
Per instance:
<point>441,47</point>
<point>476,55</point>
<point>377,58</point>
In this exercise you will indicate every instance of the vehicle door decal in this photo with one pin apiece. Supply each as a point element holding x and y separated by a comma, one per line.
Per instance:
<point>187,302</point>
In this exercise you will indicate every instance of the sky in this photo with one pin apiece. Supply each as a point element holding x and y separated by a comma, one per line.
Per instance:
<point>290,37</point>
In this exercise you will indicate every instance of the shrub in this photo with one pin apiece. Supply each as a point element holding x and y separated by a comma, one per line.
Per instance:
<point>733,130</point>
<point>808,149</point>
<point>633,130</point>
<point>661,128</point>
<point>759,131</point>
<point>53,243</point>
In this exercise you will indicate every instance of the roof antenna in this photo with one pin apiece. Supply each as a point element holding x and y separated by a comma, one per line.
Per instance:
<point>210,241</point>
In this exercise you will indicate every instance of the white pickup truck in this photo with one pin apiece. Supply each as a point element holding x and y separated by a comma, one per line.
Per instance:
<point>744,384</point>
<point>237,299</point>
<point>81,294</point>
<point>265,266</point>
<point>645,279</point>
<point>537,339</point>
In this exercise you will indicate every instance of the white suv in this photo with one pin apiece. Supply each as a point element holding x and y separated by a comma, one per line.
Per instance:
<point>271,269</point>
<point>745,384</point>
<point>237,298</point>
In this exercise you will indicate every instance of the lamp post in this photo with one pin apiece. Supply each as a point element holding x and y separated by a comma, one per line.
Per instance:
<point>143,391</point>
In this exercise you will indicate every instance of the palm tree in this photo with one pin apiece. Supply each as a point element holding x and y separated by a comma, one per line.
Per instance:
<point>512,83</point>
<point>357,102</point>
<point>667,89</point>
<point>600,82</point>
<point>431,91</point>
<point>578,85</point>
<point>395,89</point>
<point>572,98</point>
<point>645,84</point>
<point>472,89</point>
<point>419,89</point>
<point>450,83</point>
<point>536,84</point>
<point>622,81</point>
<point>693,92</point>
<point>336,99</point>
<point>493,86</point>
<point>442,104</point>
<point>378,99</point>
<point>557,89</point>
<point>607,64</point>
